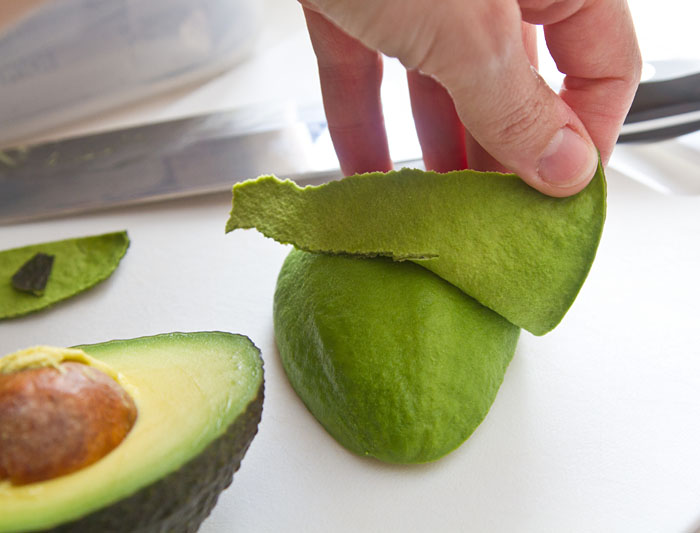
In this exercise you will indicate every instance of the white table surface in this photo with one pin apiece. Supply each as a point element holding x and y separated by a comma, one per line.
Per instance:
<point>596,426</point>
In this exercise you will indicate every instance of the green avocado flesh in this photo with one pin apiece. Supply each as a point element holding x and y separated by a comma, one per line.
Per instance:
<point>199,399</point>
<point>78,265</point>
<point>394,362</point>
<point>519,252</point>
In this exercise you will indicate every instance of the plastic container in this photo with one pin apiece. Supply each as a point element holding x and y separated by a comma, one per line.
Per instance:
<point>70,59</point>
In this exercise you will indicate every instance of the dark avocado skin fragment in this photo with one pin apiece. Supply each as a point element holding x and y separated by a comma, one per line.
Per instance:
<point>34,274</point>
<point>181,501</point>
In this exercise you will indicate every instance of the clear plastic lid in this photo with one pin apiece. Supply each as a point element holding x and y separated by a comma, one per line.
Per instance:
<point>69,59</point>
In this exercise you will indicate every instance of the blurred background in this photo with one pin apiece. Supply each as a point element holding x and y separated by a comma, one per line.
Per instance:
<point>70,67</point>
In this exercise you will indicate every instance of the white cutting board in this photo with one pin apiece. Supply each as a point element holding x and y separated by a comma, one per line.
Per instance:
<point>596,426</point>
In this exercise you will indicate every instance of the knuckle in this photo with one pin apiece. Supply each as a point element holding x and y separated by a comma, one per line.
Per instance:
<point>545,4</point>
<point>519,125</point>
<point>546,11</point>
<point>637,62</point>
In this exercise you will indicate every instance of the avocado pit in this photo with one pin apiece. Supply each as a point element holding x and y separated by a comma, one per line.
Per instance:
<point>58,414</point>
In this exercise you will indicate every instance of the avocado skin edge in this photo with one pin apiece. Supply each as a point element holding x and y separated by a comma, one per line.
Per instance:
<point>181,501</point>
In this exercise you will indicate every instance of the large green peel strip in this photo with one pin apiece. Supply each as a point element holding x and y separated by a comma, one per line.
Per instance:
<point>519,252</point>
<point>78,265</point>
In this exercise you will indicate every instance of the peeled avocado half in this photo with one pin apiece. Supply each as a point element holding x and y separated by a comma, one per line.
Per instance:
<point>395,362</point>
<point>399,310</point>
<point>199,399</point>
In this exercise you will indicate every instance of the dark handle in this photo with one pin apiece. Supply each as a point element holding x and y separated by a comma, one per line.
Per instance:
<point>676,99</point>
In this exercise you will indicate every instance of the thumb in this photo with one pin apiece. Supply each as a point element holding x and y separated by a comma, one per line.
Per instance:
<point>511,112</point>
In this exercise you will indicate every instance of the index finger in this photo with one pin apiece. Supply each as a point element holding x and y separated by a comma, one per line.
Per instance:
<point>350,76</point>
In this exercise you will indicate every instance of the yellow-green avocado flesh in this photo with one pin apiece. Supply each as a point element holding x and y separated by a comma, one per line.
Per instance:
<point>199,399</point>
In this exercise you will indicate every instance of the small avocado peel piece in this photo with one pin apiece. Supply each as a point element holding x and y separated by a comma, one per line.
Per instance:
<point>395,362</point>
<point>199,397</point>
<point>78,265</point>
<point>517,251</point>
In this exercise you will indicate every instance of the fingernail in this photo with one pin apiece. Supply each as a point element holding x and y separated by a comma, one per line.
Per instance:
<point>567,160</point>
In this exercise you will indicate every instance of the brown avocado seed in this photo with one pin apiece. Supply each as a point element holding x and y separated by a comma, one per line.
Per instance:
<point>56,421</point>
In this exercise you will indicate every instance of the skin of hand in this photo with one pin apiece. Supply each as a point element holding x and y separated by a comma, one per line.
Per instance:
<point>475,91</point>
<point>12,12</point>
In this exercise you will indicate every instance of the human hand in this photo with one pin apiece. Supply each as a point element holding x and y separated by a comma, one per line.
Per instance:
<point>471,64</point>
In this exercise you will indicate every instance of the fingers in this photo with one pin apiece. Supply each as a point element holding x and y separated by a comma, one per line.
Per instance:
<point>350,76</point>
<point>595,46</point>
<point>475,50</point>
<point>440,132</point>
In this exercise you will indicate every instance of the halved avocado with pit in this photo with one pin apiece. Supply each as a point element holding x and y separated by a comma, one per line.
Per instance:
<point>199,401</point>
